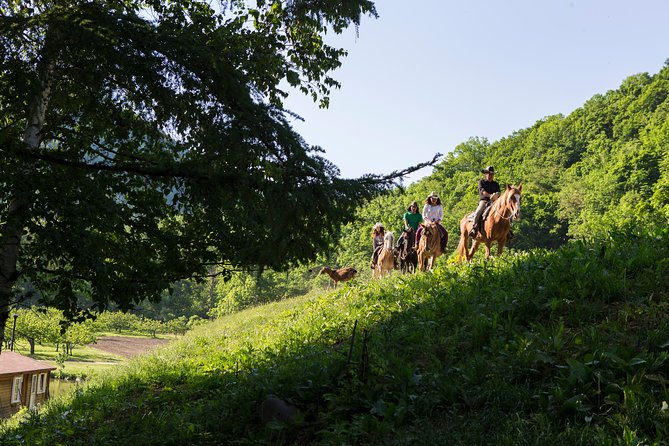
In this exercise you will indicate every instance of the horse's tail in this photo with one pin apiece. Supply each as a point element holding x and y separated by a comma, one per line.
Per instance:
<point>462,246</point>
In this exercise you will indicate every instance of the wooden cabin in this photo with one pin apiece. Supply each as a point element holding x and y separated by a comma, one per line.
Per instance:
<point>23,382</point>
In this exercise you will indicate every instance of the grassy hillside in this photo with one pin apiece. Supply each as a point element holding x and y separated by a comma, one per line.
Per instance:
<point>595,173</point>
<point>562,347</point>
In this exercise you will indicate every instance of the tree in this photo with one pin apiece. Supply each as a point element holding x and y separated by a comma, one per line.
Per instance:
<point>77,334</point>
<point>37,326</point>
<point>143,142</point>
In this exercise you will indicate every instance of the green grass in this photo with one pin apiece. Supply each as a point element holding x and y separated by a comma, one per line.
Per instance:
<point>566,347</point>
<point>79,354</point>
<point>84,362</point>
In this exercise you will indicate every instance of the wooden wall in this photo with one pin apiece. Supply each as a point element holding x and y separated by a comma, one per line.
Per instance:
<point>6,408</point>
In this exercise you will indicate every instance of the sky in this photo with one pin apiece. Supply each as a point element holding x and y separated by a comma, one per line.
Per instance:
<point>428,75</point>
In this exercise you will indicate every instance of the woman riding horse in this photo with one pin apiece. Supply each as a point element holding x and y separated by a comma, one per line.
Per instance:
<point>433,212</point>
<point>429,246</point>
<point>412,218</point>
<point>385,263</point>
<point>378,235</point>
<point>406,252</point>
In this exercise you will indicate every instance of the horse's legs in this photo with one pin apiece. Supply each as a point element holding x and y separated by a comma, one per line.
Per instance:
<point>475,246</point>
<point>487,250</point>
<point>500,246</point>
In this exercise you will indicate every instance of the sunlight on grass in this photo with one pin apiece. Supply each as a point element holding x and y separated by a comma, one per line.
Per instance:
<point>556,347</point>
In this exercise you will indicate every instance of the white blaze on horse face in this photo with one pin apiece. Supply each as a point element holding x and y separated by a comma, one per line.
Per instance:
<point>516,199</point>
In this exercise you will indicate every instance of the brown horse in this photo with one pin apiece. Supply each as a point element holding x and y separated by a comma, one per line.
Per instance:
<point>385,264</point>
<point>496,226</point>
<point>429,246</point>
<point>339,275</point>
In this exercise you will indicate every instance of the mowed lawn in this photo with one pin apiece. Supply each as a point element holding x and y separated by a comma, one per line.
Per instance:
<point>109,351</point>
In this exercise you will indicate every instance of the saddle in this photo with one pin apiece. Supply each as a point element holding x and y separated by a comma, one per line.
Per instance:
<point>484,214</point>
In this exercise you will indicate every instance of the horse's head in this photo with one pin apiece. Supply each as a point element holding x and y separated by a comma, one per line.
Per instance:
<point>512,196</point>
<point>408,239</point>
<point>430,230</point>
<point>388,240</point>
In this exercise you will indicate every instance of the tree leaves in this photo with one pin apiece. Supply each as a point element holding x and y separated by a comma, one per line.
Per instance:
<point>163,147</point>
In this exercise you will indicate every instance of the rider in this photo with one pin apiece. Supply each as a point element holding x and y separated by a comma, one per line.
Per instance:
<point>378,233</point>
<point>487,187</point>
<point>412,218</point>
<point>433,211</point>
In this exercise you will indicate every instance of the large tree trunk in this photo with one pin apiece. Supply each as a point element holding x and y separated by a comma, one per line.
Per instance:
<point>19,203</point>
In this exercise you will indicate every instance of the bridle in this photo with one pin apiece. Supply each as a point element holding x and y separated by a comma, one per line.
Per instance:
<point>515,209</point>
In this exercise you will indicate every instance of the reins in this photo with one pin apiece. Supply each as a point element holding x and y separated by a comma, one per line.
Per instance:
<point>495,209</point>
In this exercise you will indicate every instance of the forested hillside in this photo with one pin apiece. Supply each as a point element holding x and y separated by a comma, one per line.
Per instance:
<point>589,175</point>
<point>564,341</point>
<point>592,173</point>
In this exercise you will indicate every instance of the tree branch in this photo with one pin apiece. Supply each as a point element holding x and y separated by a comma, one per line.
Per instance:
<point>384,179</point>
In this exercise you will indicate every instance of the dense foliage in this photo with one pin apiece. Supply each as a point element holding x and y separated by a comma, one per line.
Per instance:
<point>545,347</point>
<point>596,172</point>
<point>593,174</point>
<point>562,340</point>
<point>145,142</point>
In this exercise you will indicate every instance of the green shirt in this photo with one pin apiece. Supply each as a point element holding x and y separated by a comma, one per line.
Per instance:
<point>413,219</point>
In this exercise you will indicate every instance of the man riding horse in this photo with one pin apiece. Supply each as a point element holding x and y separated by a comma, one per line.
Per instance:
<point>488,187</point>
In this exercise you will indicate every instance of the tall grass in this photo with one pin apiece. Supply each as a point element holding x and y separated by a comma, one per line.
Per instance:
<point>542,347</point>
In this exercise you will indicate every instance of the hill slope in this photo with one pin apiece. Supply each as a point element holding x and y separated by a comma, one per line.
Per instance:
<point>535,348</point>
<point>593,173</point>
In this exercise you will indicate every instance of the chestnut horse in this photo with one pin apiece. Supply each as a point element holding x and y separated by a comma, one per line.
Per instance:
<point>386,261</point>
<point>496,226</point>
<point>429,246</point>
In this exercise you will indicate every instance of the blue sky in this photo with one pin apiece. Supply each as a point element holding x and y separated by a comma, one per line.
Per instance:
<point>429,74</point>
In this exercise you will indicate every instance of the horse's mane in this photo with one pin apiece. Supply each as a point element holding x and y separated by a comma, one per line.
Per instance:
<point>500,203</point>
<point>388,240</point>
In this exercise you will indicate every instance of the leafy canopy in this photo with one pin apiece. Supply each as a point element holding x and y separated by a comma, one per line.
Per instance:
<point>143,142</point>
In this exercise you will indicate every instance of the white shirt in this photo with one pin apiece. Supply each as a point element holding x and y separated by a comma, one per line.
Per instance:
<point>433,213</point>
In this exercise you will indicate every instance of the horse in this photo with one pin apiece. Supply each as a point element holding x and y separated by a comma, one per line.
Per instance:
<point>339,275</point>
<point>495,227</point>
<point>406,251</point>
<point>429,246</point>
<point>386,261</point>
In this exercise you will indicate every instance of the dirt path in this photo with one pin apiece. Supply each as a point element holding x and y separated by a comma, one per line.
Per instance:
<point>127,346</point>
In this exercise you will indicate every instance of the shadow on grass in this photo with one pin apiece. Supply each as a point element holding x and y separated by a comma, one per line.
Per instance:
<point>517,350</point>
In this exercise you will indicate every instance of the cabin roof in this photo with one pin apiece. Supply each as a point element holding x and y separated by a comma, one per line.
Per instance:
<point>13,363</point>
